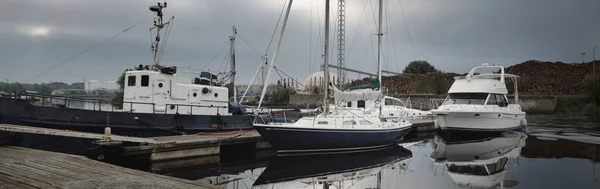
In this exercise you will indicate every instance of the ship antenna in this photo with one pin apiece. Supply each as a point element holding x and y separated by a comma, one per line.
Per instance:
<point>158,25</point>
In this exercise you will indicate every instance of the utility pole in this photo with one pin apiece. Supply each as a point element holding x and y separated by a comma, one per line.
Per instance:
<point>232,53</point>
<point>582,57</point>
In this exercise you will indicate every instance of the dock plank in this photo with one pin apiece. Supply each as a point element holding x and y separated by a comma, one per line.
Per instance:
<point>29,168</point>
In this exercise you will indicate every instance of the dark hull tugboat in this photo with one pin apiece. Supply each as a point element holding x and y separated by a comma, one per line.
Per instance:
<point>157,102</point>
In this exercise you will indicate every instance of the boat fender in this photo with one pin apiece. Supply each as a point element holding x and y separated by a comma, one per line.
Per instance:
<point>524,122</point>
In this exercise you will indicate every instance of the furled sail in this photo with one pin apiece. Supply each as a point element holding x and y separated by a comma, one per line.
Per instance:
<point>356,95</point>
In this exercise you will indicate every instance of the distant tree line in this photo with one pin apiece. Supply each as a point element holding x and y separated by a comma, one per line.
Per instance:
<point>44,88</point>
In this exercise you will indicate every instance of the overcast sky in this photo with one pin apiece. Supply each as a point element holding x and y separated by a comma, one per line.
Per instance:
<point>454,36</point>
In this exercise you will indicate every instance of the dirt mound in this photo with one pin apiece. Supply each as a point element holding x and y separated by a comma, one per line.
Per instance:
<point>550,78</point>
<point>536,78</point>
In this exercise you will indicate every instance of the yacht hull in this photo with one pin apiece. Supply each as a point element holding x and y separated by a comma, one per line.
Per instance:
<point>299,140</point>
<point>479,121</point>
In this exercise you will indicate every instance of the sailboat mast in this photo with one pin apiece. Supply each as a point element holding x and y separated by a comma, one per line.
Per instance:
<point>326,61</point>
<point>232,53</point>
<point>279,39</point>
<point>379,34</point>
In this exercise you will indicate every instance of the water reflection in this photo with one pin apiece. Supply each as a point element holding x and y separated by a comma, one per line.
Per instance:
<point>478,161</point>
<point>349,170</point>
<point>537,158</point>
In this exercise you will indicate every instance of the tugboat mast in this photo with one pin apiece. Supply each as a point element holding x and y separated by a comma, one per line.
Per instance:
<point>158,25</point>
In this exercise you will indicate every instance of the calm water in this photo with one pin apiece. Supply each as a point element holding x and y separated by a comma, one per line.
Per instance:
<point>542,157</point>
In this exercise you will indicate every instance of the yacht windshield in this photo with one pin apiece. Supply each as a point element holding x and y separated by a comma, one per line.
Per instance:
<point>466,98</point>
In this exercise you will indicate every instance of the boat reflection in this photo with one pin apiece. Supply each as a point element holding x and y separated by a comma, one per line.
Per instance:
<point>346,170</point>
<point>478,162</point>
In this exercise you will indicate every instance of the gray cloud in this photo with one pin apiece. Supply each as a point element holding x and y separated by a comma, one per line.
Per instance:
<point>452,35</point>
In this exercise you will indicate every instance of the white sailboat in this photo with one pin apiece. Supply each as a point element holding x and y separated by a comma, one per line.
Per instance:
<point>338,130</point>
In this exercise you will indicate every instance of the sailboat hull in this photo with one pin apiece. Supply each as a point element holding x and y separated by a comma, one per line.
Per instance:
<point>300,140</point>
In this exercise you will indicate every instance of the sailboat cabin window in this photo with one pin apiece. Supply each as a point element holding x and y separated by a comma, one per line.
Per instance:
<point>351,122</point>
<point>322,122</point>
<point>361,103</point>
<point>466,98</point>
<point>131,80</point>
<point>145,80</point>
<point>349,104</point>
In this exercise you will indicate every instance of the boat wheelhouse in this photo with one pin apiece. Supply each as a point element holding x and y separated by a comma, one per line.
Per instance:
<point>163,91</point>
<point>479,102</point>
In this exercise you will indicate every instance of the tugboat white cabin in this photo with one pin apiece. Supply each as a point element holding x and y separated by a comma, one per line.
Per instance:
<point>479,102</point>
<point>148,91</point>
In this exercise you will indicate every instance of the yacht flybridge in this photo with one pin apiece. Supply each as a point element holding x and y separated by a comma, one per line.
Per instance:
<point>478,102</point>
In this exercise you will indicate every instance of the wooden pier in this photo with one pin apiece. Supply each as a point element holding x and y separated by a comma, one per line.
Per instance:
<point>28,168</point>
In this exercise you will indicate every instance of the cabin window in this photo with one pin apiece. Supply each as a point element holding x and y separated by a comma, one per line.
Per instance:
<point>466,98</point>
<point>351,122</point>
<point>145,80</point>
<point>349,104</point>
<point>322,122</point>
<point>361,103</point>
<point>160,85</point>
<point>492,100</point>
<point>131,80</point>
<point>365,122</point>
<point>195,94</point>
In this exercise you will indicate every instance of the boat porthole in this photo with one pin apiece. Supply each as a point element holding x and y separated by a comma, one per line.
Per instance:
<point>216,94</point>
<point>195,94</point>
<point>204,90</point>
<point>515,115</point>
<point>499,115</point>
<point>160,85</point>
<point>172,106</point>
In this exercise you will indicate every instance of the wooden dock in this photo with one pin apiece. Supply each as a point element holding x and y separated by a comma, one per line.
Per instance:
<point>28,168</point>
<point>181,146</point>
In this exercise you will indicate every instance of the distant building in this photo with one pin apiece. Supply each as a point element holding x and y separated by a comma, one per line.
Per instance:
<point>100,85</point>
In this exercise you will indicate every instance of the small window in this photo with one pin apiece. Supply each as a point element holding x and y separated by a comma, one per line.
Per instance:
<point>365,122</point>
<point>145,80</point>
<point>492,100</point>
<point>361,103</point>
<point>160,85</point>
<point>349,104</point>
<point>131,80</point>
<point>216,94</point>
<point>322,122</point>
<point>195,94</point>
<point>351,122</point>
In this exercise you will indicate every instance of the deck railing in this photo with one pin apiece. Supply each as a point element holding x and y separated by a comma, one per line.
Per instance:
<point>97,104</point>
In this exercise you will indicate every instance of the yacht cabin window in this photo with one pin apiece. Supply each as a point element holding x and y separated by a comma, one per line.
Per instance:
<point>349,104</point>
<point>131,80</point>
<point>365,122</point>
<point>466,98</point>
<point>145,80</point>
<point>361,103</point>
<point>351,122</point>
<point>497,99</point>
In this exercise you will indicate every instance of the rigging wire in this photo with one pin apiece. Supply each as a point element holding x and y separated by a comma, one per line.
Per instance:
<point>356,32</point>
<point>276,26</point>
<point>407,30</point>
<point>262,56</point>
<point>391,33</point>
<point>213,58</point>
<point>89,49</point>
<point>166,36</point>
